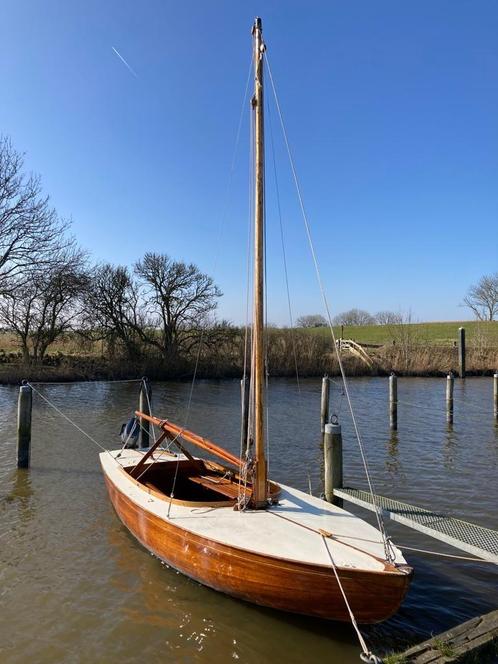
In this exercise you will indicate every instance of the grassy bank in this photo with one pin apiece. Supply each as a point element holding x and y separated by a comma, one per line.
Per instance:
<point>437,334</point>
<point>422,349</point>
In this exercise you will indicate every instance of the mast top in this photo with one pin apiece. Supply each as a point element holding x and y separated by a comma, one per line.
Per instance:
<point>257,25</point>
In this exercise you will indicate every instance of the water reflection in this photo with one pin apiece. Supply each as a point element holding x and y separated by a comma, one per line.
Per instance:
<point>19,498</point>
<point>449,447</point>
<point>392,459</point>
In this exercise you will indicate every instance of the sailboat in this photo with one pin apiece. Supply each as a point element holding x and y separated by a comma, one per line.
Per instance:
<point>225,524</point>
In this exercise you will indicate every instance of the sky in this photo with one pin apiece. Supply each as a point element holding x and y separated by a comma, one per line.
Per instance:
<point>391,110</point>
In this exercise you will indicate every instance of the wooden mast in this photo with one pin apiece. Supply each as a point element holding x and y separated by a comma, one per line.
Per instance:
<point>258,377</point>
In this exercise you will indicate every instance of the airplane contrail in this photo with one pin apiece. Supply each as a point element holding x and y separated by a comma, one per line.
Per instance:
<point>124,62</point>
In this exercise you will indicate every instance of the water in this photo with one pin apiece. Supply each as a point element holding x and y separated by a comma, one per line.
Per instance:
<point>76,587</point>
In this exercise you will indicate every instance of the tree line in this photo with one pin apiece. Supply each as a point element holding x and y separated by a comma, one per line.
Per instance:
<point>49,287</point>
<point>352,317</point>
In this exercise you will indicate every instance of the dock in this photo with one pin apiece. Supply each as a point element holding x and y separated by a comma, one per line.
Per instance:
<point>473,641</point>
<point>475,540</point>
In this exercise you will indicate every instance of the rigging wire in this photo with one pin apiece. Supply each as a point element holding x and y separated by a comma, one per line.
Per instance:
<point>286,273</point>
<point>380,523</point>
<point>284,253</point>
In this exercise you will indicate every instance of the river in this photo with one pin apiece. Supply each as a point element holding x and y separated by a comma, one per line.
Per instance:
<point>75,587</point>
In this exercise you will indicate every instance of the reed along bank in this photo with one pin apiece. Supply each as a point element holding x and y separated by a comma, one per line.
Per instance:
<point>415,350</point>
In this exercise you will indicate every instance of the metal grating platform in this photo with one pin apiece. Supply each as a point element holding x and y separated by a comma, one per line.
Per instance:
<point>481,542</point>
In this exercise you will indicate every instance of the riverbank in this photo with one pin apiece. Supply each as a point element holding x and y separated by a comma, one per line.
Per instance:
<point>422,361</point>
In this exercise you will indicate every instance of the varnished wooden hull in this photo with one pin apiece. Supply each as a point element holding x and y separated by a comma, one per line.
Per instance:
<point>268,581</point>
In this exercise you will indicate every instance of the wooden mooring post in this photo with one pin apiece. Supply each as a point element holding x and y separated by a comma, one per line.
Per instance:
<point>24,408</point>
<point>495,395</point>
<point>461,351</point>
<point>332,456</point>
<point>324,406</point>
<point>393,401</point>
<point>450,382</point>
<point>144,402</point>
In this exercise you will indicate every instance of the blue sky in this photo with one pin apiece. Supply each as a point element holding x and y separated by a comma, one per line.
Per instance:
<point>391,110</point>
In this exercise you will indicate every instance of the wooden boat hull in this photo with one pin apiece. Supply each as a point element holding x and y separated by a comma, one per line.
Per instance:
<point>281,584</point>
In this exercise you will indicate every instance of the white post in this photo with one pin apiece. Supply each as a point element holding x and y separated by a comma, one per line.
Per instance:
<point>332,456</point>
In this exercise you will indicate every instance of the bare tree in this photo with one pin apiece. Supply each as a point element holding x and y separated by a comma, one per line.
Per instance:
<point>313,320</point>
<point>40,310</point>
<point>482,297</point>
<point>113,311</point>
<point>354,317</point>
<point>30,230</point>
<point>179,299</point>
<point>388,318</point>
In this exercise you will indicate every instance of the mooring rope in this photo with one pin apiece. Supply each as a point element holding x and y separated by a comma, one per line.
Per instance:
<point>76,426</point>
<point>85,382</point>
<point>367,655</point>
<point>445,555</point>
<point>380,522</point>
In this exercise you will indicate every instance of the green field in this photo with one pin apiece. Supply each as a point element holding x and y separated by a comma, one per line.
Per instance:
<point>437,334</point>
<point>478,334</point>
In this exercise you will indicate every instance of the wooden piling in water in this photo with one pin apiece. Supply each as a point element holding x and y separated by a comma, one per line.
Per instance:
<point>332,456</point>
<point>24,408</point>
<point>461,351</point>
<point>144,402</point>
<point>495,395</point>
<point>393,401</point>
<point>324,406</point>
<point>450,382</point>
